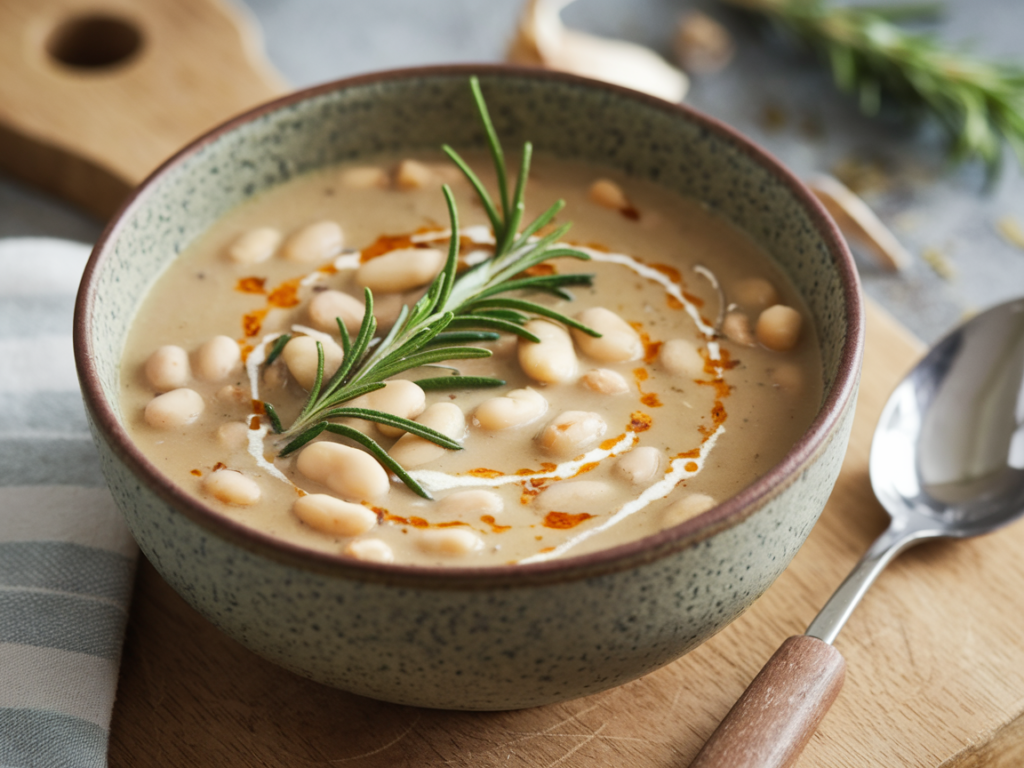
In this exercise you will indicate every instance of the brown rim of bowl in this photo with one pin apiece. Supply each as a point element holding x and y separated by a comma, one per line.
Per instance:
<point>624,556</point>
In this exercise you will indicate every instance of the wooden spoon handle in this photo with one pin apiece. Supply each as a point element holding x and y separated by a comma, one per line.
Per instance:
<point>778,713</point>
<point>93,100</point>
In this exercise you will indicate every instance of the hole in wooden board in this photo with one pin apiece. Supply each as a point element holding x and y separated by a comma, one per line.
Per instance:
<point>94,41</point>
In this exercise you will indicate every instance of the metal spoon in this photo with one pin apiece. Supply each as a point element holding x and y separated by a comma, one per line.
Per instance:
<point>947,460</point>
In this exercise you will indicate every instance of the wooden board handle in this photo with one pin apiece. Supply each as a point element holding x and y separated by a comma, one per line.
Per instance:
<point>95,95</point>
<point>778,713</point>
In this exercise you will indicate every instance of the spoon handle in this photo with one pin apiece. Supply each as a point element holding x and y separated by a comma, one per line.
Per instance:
<point>778,713</point>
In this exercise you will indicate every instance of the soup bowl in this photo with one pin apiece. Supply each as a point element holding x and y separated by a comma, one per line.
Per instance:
<point>502,637</point>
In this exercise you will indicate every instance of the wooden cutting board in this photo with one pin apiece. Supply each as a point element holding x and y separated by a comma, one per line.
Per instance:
<point>935,654</point>
<point>935,665</point>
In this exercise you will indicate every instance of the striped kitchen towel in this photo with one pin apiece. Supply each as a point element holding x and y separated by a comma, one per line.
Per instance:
<point>66,556</point>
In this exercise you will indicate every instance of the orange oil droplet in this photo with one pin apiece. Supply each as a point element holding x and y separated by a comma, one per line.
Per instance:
<point>253,321</point>
<point>691,466</point>
<point>495,527</point>
<point>251,285</point>
<point>608,444</point>
<point>697,301</point>
<point>285,295</point>
<point>639,422</point>
<point>484,472</point>
<point>564,520</point>
<point>668,271</point>
<point>386,244</point>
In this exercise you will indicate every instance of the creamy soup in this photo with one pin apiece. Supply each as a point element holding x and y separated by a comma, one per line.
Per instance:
<point>705,375</point>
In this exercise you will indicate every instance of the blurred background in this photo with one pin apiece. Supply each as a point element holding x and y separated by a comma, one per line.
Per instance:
<point>957,226</point>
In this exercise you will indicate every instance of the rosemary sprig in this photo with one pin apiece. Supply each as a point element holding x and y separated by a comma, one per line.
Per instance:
<point>456,309</point>
<point>980,104</point>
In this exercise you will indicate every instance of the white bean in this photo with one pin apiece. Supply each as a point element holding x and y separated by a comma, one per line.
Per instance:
<point>399,398</point>
<point>174,409</point>
<point>349,472</point>
<point>754,293</point>
<point>574,496</point>
<point>639,466</point>
<point>681,358</point>
<point>608,194</point>
<point>167,368</point>
<point>605,381</point>
<point>412,450</point>
<point>553,360</point>
<point>254,246</point>
<point>400,270</point>
<point>217,358</point>
<point>333,516</point>
<point>449,541</point>
<point>325,306</point>
<point>232,487</point>
<point>736,326</point>
<point>472,503</point>
<point>517,408</point>
<point>370,550</point>
<point>572,433</point>
<point>412,174</point>
<point>315,243</point>
<point>300,355</point>
<point>618,341</point>
<point>686,508</point>
<point>778,328</point>
<point>233,434</point>
<point>364,177</point>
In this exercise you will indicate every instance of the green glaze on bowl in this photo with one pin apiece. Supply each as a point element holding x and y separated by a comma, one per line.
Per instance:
<point>488,638</point>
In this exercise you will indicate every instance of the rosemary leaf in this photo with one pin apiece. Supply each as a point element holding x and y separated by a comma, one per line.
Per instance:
<point>537,309</point>
<point>460,337</point>
<point>391,420</point>
<point>478,187</point>
<point>303,438</point>
<point>346,340</point>
<point>275,420</point>
<point>277,349</point>
<point>462,382</point>
<point>484,321</point>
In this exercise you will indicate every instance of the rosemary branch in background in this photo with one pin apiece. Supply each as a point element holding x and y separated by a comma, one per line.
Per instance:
<point>456,309</point>
<point>980,104</point>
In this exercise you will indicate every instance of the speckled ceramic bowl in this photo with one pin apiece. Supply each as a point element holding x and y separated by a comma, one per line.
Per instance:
<point>501,637</point>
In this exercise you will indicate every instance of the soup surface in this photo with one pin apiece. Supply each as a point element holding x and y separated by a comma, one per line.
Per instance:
<point>704,377</point>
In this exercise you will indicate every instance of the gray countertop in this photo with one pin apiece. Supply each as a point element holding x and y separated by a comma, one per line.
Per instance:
<point>949,213</point>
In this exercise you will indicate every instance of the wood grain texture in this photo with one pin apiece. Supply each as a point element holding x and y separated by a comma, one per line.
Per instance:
<point>90,134</point>
<point>935,666</point>
<point>781,709</point>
